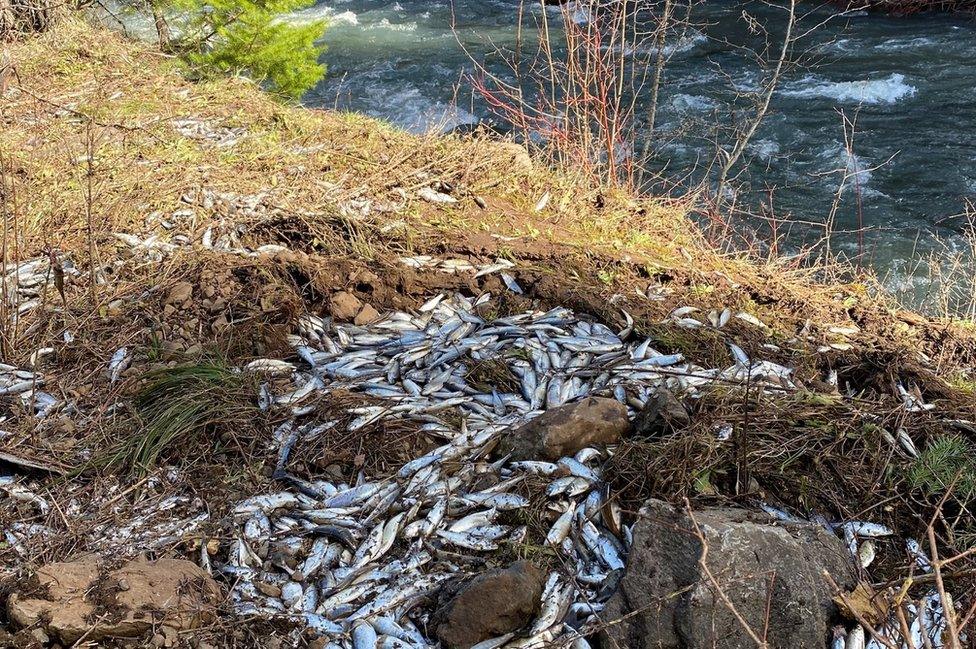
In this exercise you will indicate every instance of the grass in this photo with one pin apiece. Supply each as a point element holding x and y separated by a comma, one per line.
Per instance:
<point>947,463</point>
<point>186,406</point>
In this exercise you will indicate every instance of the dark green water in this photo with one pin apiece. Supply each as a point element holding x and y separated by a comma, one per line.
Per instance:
<point>911,83</point>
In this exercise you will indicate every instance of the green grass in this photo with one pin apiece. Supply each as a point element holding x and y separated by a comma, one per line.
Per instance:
<point>179,408</point>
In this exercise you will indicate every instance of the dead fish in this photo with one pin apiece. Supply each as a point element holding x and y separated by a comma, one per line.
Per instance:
<point>433,196</point>
<point>873,530</point>
<point>267,503</point>
<point>468,541</point>
<point>855,639</point>
<point>511,284</point>
<point>363,636</point>
<point>119,361</point>
<point>866,553</point>
<point>543,202</point>
<point>501,264</point>
<point>570,485</point>
<point>560,529</point>
<point>270,366</point>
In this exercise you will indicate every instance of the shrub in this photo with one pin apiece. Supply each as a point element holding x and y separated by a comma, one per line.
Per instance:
<point>249,37</point>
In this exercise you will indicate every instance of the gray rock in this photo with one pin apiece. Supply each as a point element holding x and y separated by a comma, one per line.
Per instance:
<point>564,430</point>
<point>756,563</point>
<point>492,604</point>
<point>664,413</point>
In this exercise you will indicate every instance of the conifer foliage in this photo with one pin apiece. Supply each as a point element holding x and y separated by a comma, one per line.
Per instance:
<point>249,37</point>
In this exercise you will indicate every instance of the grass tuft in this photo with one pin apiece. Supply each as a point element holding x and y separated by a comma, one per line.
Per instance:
<point>180,407</point>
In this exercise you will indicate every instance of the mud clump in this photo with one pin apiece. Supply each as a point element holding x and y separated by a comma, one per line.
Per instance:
<point>81,599</point>
<point>344,306</point>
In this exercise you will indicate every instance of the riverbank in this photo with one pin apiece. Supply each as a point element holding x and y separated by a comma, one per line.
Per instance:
<point>155,225</point>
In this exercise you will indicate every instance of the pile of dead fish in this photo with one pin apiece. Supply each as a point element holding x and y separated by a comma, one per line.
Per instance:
<point>352,561</point>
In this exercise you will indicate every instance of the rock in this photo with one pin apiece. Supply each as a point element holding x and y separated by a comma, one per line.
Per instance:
<point>344,306</point>
<point>180,293</point>
<point>564,430</point>
<point>40,637</point>
<point>73,597</point>
<point>492,604</point>
<point>756,562</point>
<point>367,315</point>
<point>664,413</point>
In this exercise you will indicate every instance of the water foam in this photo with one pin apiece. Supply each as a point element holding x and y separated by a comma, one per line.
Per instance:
<point>692,103</point>
<point>322,12</point>
<point>896,44</point>
<point>409,108</point>
<point>393,27</point>
<point>869,91</point>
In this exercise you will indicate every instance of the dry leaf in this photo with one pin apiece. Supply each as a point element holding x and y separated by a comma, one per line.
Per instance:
<point>863,602</point>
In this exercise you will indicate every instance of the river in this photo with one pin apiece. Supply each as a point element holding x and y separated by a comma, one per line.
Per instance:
<point>908,84</point>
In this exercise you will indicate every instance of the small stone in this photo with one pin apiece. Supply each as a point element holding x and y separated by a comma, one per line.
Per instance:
<point>180,293</point>
<point>563,431</point>
<point>663,414</point>
<point>367,315</point>
<point>271,590</point>
<point>344,306</point>
<point>492,604</point>
<point>40,636</point>
<point>171,636</point>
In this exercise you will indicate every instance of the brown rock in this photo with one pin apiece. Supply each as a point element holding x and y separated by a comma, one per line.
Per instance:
<point>180,293</point>
<point>126,602</point>
<point>344,306</point>
<point>492,604</point>
<point>562,431</point>
<point>367,315</point>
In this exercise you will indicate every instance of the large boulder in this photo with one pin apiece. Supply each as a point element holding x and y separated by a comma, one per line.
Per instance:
<point>564,430</point>
<point>490,605</point>
<point>667,601</point>
<point>80,598</point>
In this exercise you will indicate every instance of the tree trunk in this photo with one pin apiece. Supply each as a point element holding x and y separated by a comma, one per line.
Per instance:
<point>22,17</point>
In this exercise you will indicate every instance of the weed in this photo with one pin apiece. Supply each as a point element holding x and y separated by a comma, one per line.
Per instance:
<point>179,407</point>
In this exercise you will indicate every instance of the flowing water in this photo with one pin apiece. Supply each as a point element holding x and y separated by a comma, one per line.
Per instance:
<point>907,84</point>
